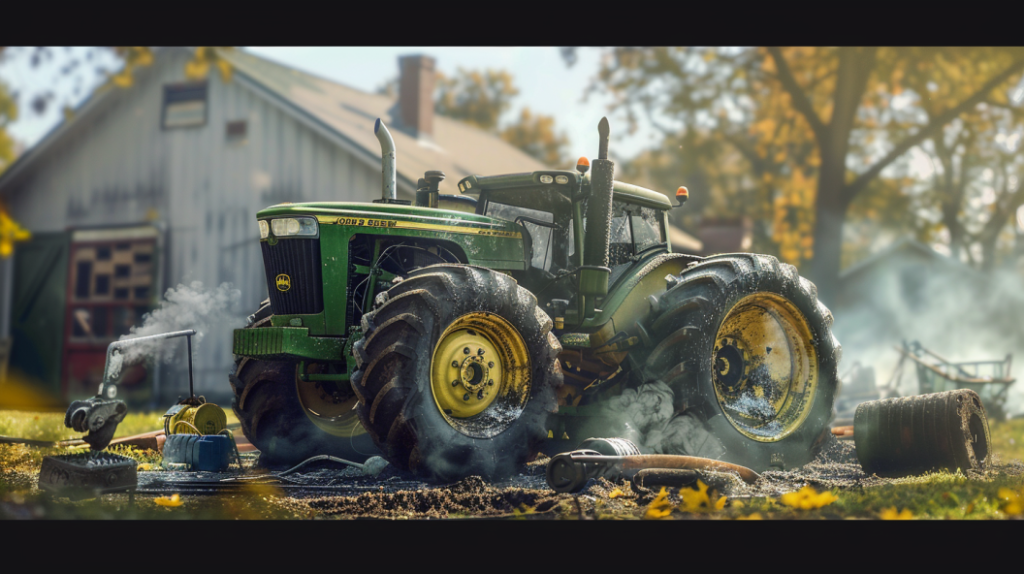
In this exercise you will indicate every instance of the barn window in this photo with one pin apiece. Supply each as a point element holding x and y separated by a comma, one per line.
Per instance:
<point>184,105</point>
<point>236,131</point>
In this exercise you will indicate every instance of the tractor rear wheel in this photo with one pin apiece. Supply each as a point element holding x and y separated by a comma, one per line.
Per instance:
<point>286,419</point>
<point>747,348</point>
<point>456,373</point>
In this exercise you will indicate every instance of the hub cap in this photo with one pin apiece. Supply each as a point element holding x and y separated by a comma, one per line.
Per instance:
<point>480,374</point>
<point>765,367</point>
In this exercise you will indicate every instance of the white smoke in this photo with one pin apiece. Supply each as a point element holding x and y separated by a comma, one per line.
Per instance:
<point>646,417</point>
<point>183,307</point>
<point>953,311</point>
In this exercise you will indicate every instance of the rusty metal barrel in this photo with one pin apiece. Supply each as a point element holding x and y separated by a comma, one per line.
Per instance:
<point>913,435</point>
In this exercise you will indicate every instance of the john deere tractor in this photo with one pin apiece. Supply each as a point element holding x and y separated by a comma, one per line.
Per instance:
<point>463,334</point>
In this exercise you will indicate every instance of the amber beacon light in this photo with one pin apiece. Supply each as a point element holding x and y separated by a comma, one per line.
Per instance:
<point>682,194</point>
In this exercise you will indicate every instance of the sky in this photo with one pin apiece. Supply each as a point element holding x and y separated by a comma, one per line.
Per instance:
<point>546,85</point>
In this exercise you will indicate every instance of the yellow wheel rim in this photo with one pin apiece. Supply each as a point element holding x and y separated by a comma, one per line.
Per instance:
<point>328,404</point>
<point>480,374</point>
<point>765,367</point>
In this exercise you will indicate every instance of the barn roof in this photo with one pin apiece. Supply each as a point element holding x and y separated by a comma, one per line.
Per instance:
<point>345,116</point>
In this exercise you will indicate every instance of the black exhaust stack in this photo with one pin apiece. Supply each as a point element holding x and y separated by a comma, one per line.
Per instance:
<point>594,273</point>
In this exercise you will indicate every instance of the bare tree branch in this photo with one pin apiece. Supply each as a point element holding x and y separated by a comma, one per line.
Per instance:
<point>747,150</point>
<point>925,132</point>
<point>800,101</point>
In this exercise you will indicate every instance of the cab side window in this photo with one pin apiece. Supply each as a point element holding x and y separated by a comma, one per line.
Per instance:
<point>647,230</point>
<point>634,229</point>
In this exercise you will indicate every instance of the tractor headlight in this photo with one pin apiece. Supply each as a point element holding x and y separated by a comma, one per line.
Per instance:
<point>294,226</point>
<point>264,229</point>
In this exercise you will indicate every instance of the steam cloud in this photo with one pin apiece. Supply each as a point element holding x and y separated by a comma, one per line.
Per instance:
<point>183,307</point>
<point>646,417</point>
<point>960,314</point>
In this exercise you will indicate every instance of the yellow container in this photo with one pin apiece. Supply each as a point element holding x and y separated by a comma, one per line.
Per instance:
<point>205,419</point>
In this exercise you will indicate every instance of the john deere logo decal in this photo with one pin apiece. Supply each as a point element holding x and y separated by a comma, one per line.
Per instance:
<point>284,282</point>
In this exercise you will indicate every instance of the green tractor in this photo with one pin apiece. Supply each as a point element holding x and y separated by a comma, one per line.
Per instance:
<point>463,334</point>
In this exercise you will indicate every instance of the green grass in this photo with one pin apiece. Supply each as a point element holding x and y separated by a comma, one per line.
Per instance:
<point>1008,440</point>
<point>50,426</point>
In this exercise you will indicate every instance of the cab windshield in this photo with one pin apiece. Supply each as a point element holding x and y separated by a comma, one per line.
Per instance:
<point>549,242</point>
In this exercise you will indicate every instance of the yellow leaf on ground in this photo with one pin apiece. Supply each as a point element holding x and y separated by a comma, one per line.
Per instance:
<point>523,510</point>
<point>891,514</point>
<point>660,507</point>
<point>754,516</point>
<point>172,501</point>
<point>616,493</point>
<point>1013,501</point>
<point>807,498</point>
<point>699,500</point>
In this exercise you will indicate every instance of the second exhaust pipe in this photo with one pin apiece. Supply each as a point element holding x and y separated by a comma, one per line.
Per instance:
<point>389,193</point>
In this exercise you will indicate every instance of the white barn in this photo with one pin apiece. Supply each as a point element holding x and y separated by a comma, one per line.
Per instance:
<point>159,184</point>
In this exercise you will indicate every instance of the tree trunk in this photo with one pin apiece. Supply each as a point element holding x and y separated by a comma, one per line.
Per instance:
<point>829,214</point>
<point>855,65</point>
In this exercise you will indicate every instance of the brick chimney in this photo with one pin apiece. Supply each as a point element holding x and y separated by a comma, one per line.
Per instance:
<point>416,95</point>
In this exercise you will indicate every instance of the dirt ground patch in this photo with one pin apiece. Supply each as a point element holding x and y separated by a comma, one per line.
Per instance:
<point>332,491</point>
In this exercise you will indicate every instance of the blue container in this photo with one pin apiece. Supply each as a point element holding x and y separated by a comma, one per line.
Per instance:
<point>198,452</point>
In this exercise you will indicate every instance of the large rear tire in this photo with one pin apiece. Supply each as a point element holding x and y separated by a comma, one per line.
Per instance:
<point>456,373</point>
<point>268,406</point>
<point>747,348</point>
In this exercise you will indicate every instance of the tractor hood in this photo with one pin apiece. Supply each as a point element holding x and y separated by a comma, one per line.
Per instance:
<point>394,216</point>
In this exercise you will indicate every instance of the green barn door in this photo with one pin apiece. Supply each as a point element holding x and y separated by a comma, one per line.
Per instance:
<point>37,311</point>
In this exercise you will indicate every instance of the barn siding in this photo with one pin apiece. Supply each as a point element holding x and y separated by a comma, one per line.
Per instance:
<point>117,166</point>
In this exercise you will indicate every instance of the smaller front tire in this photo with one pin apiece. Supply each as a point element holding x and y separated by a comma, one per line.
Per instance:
<point>268,405</point>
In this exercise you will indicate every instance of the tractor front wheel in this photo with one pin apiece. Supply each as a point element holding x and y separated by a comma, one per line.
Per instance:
<point>290,420</point>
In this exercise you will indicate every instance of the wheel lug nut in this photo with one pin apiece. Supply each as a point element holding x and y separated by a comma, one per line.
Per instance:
<point>490,364</point>
<point>455,383</point>
<point>455,364</point>
<point>465,397</point>
<point>490,382</point>
<point>480,395</point>
<point>465,351</point>
<point>480,351</point>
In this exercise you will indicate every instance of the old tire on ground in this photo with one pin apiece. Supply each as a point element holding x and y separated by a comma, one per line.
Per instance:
<point>430,350</point>
<point>272,417</point>
<point>748,349</point>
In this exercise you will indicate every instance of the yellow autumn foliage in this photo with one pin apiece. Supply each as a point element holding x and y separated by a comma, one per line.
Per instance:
<point>10,233</point>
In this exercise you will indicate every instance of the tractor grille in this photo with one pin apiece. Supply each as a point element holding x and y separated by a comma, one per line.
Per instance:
<point>297,263</point>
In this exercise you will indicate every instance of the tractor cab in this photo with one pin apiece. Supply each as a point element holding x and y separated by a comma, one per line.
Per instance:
<point>551,208</point>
